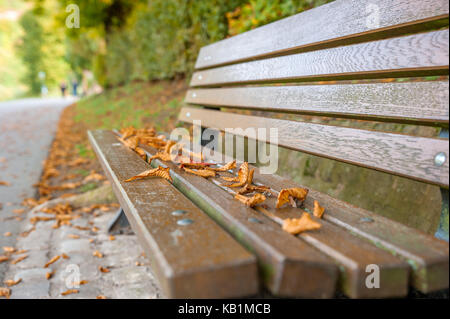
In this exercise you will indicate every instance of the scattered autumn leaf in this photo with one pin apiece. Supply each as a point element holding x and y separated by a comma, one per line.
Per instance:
<point>318,210</point>
<point>11,282</point>
<point>3,258</point>
<point>69,292</point>
<point>226,167</point>
<point>4,183</point>
<point>203,173</point>
<point>5,292</point>
<point>251,201</point>
<point>19,259</point>
<point>97,254</point>
<point>297,225</point>
<point>49,275</point>
<point>253,188</point>
<point>51,261</point>
<point>112,237</point>
<point>100,297</point>
<point>7,234</point>
<point>296,192</point>
<point>103,269</point>
<point>8,249</point>
<point>73,236</point>
<point>18,211</point>
<point>159,172</point>
<point>63,255</point>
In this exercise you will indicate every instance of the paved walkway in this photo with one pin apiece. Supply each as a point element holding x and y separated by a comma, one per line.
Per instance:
<point>27,128</point>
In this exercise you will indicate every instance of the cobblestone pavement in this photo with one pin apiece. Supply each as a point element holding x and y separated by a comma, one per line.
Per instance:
<point>27,128</point>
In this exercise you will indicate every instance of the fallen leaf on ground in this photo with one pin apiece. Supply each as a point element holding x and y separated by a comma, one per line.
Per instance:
<point>4,183</point>
<point>297,225</point>
<point>93,176</point>
<point>51,261</point>
<point>11,282</point>
<point>203,172</point>
<point>97,254</point>
<point>103,269</point>
<point>251,201</point>
<point>159,172</point>
<point>318,210</point>
<point>296,192</point>
<point>19,259</point>
<point>5,292</point>
<point>69,292</point>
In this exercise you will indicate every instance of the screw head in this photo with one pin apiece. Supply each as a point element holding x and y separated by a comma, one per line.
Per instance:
<point>188,114</point>
<point>255,220</point>
<point>440,159</point>
<point>179,212</point>
<point>194,94</point>
<point>185,222</point>
<point>200,77</point>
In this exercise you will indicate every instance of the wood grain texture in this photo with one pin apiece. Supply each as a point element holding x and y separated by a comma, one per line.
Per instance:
<point>424,53</point>
<point>195,261</point>
<point>419,102</point>
<point>427,255</point>
<point>288,266</point>
<point>338,20</point>
<point>398,154</point>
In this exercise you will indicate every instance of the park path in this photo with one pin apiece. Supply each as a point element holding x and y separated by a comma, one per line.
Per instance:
<point>27,128</point>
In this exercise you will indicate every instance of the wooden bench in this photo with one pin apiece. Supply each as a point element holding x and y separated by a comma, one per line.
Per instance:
<point>301,65</point>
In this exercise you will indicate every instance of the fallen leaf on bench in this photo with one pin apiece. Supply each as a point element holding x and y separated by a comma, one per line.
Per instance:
<point>158,172</point>
<point>20,252</point>
<point>127,132</point>
<point>244,176</point>
<point>18,211</point>
<point>253,188</point>
<point>17,260</point>
<point>63,255</point>
<point>226,167</point>
<point>295,226</point>
<point>82,282</point>
<point>161,156</point>
<point>69,292</point>
<point>296,192</point>
<point>3,258</point>
<point>318,210</point>
<point>196,165</point>
<point>51,261</point>
<point>5,292</point>
<point>8,249</point>
<point>112,237</point>
<point>251,201</point>
<point>7,234</point>
<point>73,236</point>
<point>11,282</point>
<point>3,183</point>
<point>100,297</point>
<point>103,269</point>
<point>203,173</point>
<point>49,275</point>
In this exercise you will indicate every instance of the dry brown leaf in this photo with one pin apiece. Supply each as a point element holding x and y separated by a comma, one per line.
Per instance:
<point>81,282</point>
<point>112,237</point>
<point>296,192</point>
<point>63,255</point>
<point>161,156</point>
<point>49,275</point>
<point>196,165</point>
<point>69,292</point>
<point>73,236</point>
<point>97,254</point>
<point>3,258</point>
<point>95,229</point>
<point>127,132</point>
<point>18,211</point>
<point>297,225</point>
<point>7,234</point>
<point>251,201</point>
<point>103,269</point>
<point>159,172</point>
<point>318,210</point>
<point>5,292</point>
<point>93,176</point>
<point>203,173</point>
<point>244,176</point>
<point>253,188</point>
<point>51,261</point>
<point>100,297</point>
<point>8,249</point>
<point>4,183</point>
<point>19,252</point>
<point>11,282</point>
<point>226,167</point>
<point>19,259</point>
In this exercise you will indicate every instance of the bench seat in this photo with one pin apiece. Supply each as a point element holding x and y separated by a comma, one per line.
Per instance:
<point>313,264</point>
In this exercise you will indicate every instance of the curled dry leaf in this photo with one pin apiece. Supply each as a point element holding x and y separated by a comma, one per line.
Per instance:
<point>112,237</point>
<point>297,225</point>
<point>253,188</point>
<point>100,297</point>
<point>196,165</point>
<point>81,282</point>
<point>18,211</point>
<point>296,192</point>
<point>318,210</point>
<point>97,254</point>
<point>63,255</point>
<point>4,183</point>
<point>69,292</point>
<point>103,269</point>
<point>244,176</point>
<point>5,292</point>
<point>159,172</point>
<point>49,275</point>
<point>51,261</point>
<point>203,173</point>
<point>161,156</point>
<point>226,167</point>
<point>3,258</point>
<point>8,249</point>
<point>73,236</point>
<point>11,282</point>
<point>251,201</point>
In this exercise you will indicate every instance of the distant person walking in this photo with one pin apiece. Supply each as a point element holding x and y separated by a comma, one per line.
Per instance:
<point>63,88</point>
<point>74,87</point>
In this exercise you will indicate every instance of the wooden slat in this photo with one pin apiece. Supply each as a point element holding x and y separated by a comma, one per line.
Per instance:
<point>420,102</point>
<point>419,54</point>
<point>341,21</point>
<point>195,261</point>
<point>427,255</point>
<point>351,254</point>
<point>288,266</point>
<point>403,155</point>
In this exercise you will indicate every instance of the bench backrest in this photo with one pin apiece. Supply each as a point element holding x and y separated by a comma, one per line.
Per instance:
<point>299,64</point>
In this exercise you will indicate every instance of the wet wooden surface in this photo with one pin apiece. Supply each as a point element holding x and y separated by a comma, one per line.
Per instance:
<point>199,260</point>
<point>416,102</point>
<point>339,22</point>
<point>399,154</point>
<point>413,55</point>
